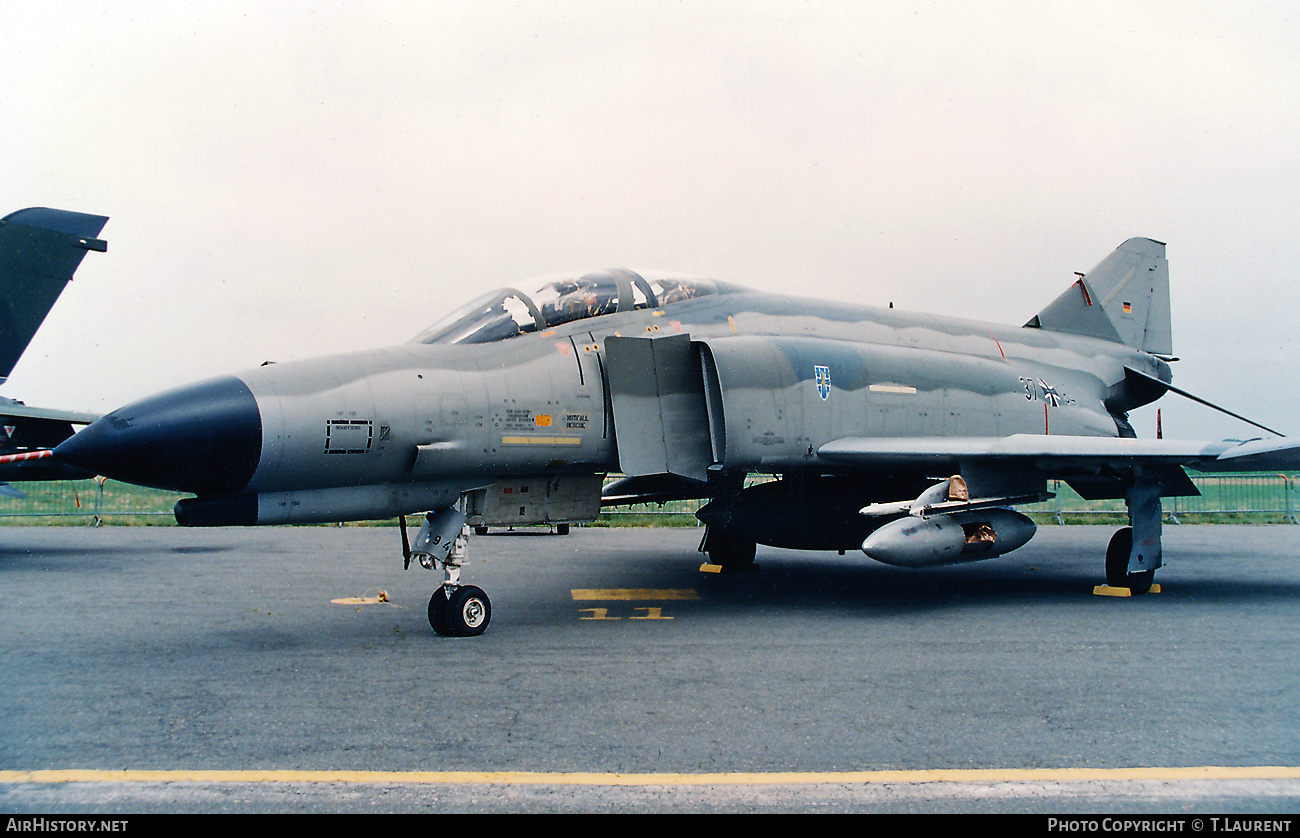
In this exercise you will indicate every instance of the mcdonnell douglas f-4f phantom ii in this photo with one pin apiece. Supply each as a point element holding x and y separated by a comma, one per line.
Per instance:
<point>686,387</point>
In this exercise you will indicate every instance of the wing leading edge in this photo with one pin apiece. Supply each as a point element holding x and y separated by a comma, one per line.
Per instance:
<point>1062,454</point>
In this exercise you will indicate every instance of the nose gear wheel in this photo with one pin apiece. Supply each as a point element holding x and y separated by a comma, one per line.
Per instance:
<point>462,612</point>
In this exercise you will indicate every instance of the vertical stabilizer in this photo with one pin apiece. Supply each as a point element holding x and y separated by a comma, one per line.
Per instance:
<point>40,250</point>
<point>1124,299</point>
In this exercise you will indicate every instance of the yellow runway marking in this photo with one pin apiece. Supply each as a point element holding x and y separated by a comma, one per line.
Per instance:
<point>639,594</point>
<point>956,775</point>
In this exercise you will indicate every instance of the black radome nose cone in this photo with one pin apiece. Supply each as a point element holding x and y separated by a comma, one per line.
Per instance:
<point>205,439</point>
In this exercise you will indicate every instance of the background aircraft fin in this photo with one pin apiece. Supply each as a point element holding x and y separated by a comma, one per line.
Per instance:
<point>40,249</point>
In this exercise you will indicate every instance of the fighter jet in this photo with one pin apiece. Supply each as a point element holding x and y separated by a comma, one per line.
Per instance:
<point>40,250</point>
<point>801,423</point>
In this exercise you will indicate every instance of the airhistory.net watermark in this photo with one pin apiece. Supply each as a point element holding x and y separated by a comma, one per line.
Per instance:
<point>63,825</point>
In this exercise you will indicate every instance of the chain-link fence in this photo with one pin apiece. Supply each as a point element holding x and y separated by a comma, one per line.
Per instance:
<point>85,501</point>
<point>1224,498</point>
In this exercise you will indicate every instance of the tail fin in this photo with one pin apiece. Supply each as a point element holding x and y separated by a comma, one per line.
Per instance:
<point>40,249</point>
<point>1124,299</point>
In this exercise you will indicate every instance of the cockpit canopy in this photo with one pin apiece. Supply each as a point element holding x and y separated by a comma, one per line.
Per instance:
<point>507,313</point>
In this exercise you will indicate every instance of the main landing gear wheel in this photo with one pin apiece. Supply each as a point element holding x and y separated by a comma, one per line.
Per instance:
<point>1117,556</point>
<point>731,552</point>
<point>465,612</point>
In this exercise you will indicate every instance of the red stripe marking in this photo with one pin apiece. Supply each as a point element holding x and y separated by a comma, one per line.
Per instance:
<point>998,342</point>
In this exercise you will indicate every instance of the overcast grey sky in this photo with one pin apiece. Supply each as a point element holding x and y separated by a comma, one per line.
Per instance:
<point>289,179</point>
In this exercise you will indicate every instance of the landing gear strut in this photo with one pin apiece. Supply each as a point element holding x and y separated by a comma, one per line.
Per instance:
<point>455,610</point>
<point>1134,552</point>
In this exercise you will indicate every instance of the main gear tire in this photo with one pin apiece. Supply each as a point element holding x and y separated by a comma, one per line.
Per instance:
<point>1117,557</point>
<point>730,552</point>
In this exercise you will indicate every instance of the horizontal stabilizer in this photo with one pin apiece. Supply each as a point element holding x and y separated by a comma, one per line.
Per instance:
<point>1256,455</point>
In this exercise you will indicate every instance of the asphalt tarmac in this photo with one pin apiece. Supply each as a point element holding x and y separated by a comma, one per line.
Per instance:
<point>617,677</point>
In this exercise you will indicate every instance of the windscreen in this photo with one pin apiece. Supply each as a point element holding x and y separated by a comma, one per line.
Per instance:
<point>496,316</point>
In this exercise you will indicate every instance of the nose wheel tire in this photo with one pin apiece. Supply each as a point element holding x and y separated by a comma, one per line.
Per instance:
<point>465,612</point>
<point>438,611</point>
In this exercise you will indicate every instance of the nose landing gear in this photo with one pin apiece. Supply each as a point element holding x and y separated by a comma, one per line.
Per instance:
<point>455,610</point>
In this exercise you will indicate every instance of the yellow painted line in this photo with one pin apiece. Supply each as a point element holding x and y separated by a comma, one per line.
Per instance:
<point>652,594</point>
<point>541,440</point>
<point>939,775</point>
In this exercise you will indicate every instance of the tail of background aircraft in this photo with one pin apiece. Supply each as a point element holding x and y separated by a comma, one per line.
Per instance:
<point>40,249</point>
<point>1124,299</point>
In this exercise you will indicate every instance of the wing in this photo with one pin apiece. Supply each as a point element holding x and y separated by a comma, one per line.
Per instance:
<point>26,436</point>
<point>1059,451</point>
<point>1097,467</point>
